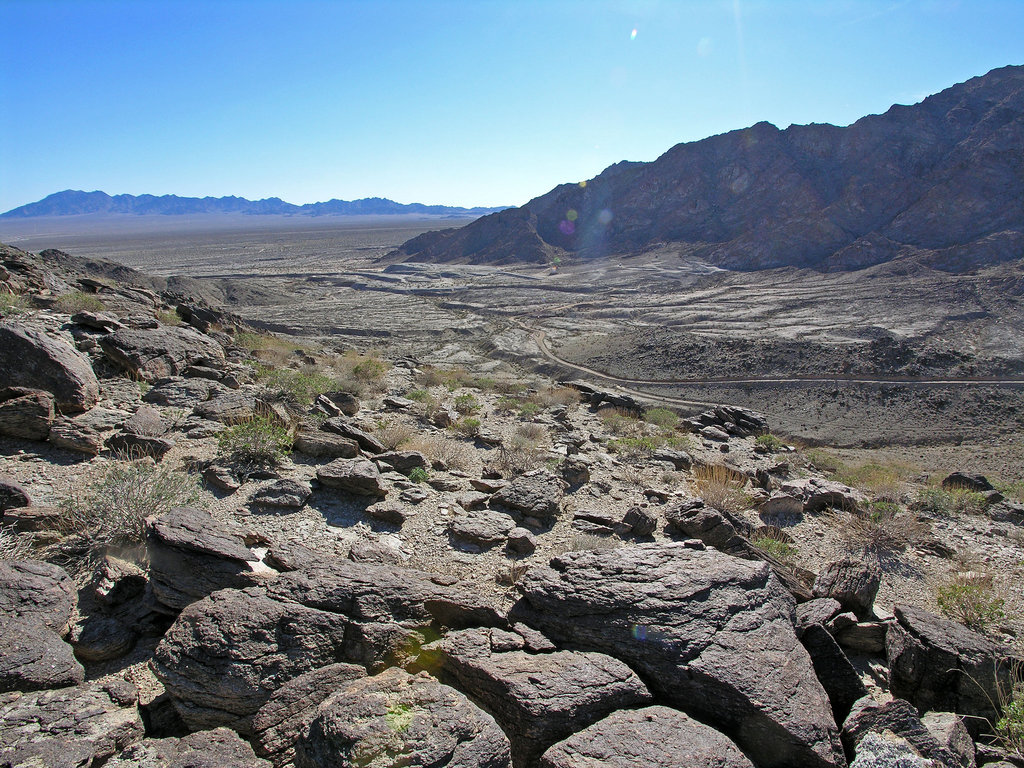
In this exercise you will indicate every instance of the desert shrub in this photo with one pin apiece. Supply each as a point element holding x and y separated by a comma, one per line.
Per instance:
<point>619,421</point>
<point>516,457</point>
<point>370,369</point>
<point>394,434</point>
<point>769,443</point>
<point>661,417</point>
<point>679,442</point>
<point>467,427</point>
<point>971,600</point>
<point>553,395</point>
<point>528,410</point>
<point>111,511</point>
<point>945,502</point>
<point>721,487</point>
<point>776,544</point>
<point>633,447</point>
<point>510,386</point>
<point>12,303</point>
<point>822,460</point>
<point>883,528</point>
<point>452,378</point>
<point>1009,728</point>
<point>454,454</point>
<point>418,395</point>
<point>77,301</point>
<point>589,541</point>
<point>880,480</point>
<point>466,404</point>
<point>534,433</point>
<point>672,478</point>
<point>168,317</point>
<point>14,545</point>
<point>510,576</point>
<point>1013,490</point>
<point>300,386</point>
<point>418,475</point>
<point>259,440</point>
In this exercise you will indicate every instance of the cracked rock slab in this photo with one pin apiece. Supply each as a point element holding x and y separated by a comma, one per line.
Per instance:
<point>654,736</point>
<point>711,633</point>
<point>397,719</point>
<point>219,748</point>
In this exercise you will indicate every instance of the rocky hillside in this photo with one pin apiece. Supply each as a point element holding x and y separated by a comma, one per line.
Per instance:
<point>938,183</point>
<point>73,202</point>
<point>220,547</point>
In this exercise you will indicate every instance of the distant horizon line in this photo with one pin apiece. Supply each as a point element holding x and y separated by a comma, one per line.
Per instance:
<point>290,208</point>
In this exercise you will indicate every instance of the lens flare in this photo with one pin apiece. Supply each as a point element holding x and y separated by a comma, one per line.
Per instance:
<point>566,227</point>
<point>605,216</point>
<point>571,215</point>
<point>583,185</point>
<point>632,35</point>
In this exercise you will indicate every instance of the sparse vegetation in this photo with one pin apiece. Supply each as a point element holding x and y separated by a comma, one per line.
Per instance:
<point>945,502</point>
<point>260,440</point>
<point>77,301</point>
<point>418,475</point>
<point>370,369</point>
<point>13,303</point>
<point>971,599</point>
<point>14,545</point>
<point>168,317</point>
<point>534,433</point>
<point>467,427</point>
<point>821,460</point>
<point>1009,728</point>
<point>721,487</point>
<point>769,443</point>
<point>466,404</point>
<point>633,447</point>
<point>884,528</point>
<point>454,454</point>
<point>299,386</point>
<point>394,434</point>
<point>554,395</point>
<point>111,512</point>
<point>661,417</point>
<point>775,543</point>
<point>516,457</point>
<point>619,421</point>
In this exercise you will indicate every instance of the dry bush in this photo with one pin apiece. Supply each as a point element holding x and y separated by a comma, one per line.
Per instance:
<point>589,541</point>
<point>111,511</point>
<point>881,481</point>
<point>1009,728</point>
<point>971,599</point>
<point>259,441</point>
<point>554,395</point>
<point>14,545</point>
<point>516,457</point>
<point>633,474</point>
<point>619,421</point>
<point>533,433</point>
<point>394,434</point>
<point>510,576</point>
<point>880,530</point>
<point>454,454</point>
<point>77,301</point>
<point>721,487</point>
<point>777,543</point>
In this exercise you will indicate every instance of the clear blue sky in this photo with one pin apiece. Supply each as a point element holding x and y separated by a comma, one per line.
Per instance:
<point>480,102</point>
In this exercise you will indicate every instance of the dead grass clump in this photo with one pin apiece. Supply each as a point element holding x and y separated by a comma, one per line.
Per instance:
<point>111,511</point>
<point>588,541</point>
<point>619,421</point>
<point>454,454</point>
<point>881,481</point>
<point>394,434</point>
<point>14,545</point>
<point>721,487</point>
<point>884,528</point>
<point>554,395</point>
<point>533,433</point>
<point>517,457</point>
<point>971,599</point>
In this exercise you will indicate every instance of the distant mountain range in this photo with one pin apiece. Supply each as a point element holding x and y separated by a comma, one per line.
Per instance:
<point>940,183</point>
<point>75,203</point>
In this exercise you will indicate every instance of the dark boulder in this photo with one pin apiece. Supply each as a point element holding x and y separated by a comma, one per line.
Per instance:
<point>153,353</point>
<point>854,583</point>
<point>25,413</point>
<point>29,358</point>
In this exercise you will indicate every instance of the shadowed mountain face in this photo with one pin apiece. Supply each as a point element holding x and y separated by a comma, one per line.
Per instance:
<point>940,183</point>
<point>73,202</point>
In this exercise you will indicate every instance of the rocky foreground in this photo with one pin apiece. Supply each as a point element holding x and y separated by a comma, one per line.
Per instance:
<point>411,567</point>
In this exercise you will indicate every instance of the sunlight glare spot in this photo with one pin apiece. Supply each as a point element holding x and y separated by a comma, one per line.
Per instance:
<point>605,216</point>
<point>632,35</point>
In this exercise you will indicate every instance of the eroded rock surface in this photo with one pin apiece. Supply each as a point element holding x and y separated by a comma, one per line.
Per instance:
<point>30,358</point>
<point>711,633</point>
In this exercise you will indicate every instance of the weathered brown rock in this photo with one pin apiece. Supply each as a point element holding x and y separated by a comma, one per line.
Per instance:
<point>833,670</point>
<point>939,664</point>
<point>183,393</point>
<point>537,494</point>
<point>397,719</point>
<point>30,358</point>
<point>291,708</point>
<point>358,476</point>
<point>191,555</point>
<point>12,495</point>
<point>481,526</point>
<point>403,461</point>
<point>146,421</point>
<point>653,736</point>
<point>25,413</point>
<point>709,632</point>
<point>72,435</point>
<point>321,444</point>
<point>153,353</point>
<point>285,494</point>
<point>898,717</point>
<point>854,583</point>
<point>138,446</point>
<point>70,727</point>
<point>37,592</point>
<point>219,748</point>
<point>537,699</point>
<point>342,426</point>
<point>33,657</point>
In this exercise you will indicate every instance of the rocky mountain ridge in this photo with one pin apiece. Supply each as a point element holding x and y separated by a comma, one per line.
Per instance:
<point>939,183</point>
<point>77,203</point>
